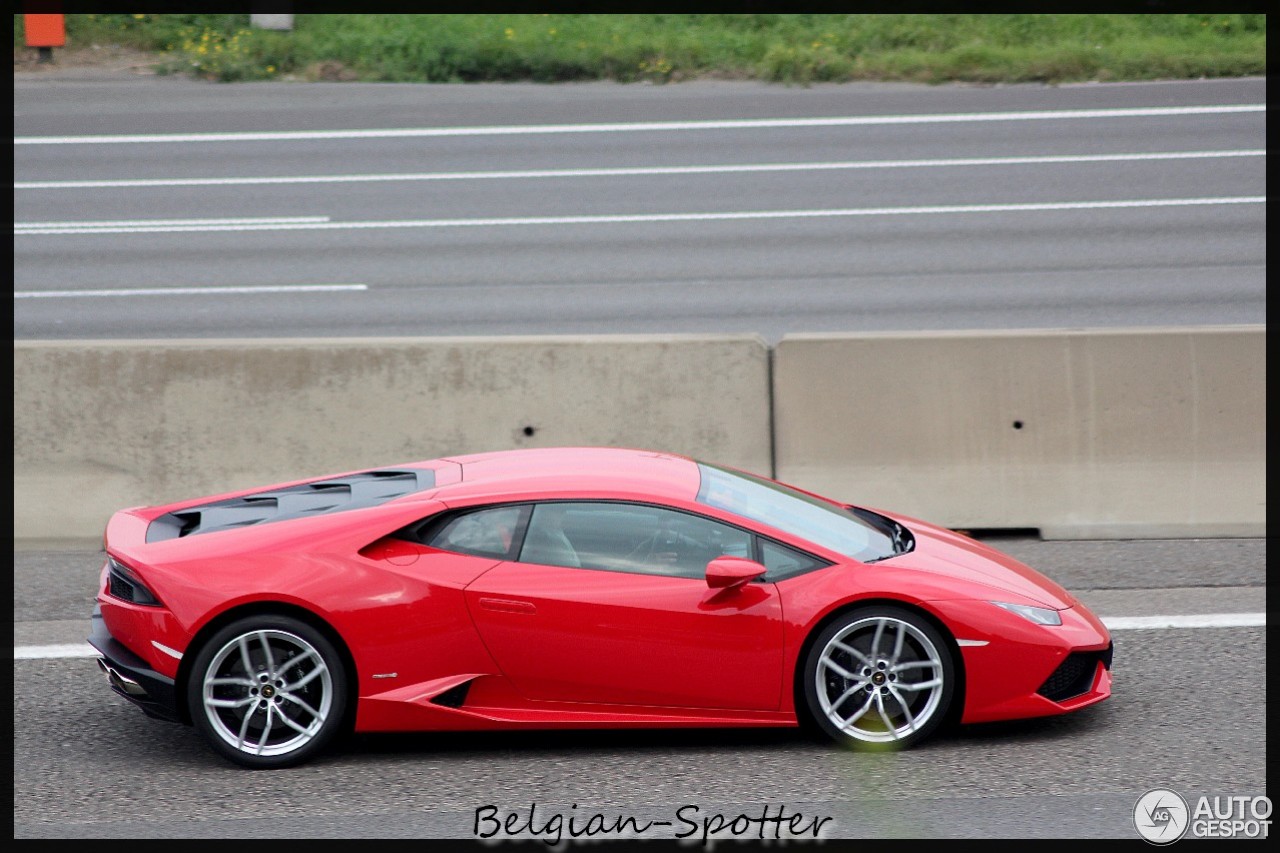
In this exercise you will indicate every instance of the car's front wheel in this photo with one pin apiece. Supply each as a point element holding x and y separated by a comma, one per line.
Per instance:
<point>879,677</point>
<point>267,691</point>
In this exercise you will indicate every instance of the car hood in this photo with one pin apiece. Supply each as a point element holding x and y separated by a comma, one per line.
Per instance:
<point>954,555</point>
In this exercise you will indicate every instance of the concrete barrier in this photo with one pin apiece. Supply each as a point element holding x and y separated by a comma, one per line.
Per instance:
<point>1090,433</point>
<point>1108,433</point>
<point>103,425</point>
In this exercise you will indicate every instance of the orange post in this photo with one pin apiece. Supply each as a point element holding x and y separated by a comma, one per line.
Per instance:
<point>45,30</point>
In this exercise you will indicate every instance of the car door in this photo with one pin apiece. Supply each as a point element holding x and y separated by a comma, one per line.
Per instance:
<point>608,603</point>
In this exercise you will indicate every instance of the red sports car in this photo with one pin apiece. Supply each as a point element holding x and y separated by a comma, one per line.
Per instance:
<point>574,587</point>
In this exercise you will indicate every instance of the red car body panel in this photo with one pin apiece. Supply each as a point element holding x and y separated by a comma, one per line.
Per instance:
<point>615,638</point>
<point>546,646</point>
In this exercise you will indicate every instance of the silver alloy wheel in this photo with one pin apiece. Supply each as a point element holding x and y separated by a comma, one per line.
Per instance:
<point>879,679</point>
<point>267,692</point>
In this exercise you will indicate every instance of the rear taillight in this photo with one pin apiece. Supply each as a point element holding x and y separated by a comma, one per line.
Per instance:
<point>123,584</point>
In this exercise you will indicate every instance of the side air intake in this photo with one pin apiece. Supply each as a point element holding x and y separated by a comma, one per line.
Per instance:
<point>1074,676</point>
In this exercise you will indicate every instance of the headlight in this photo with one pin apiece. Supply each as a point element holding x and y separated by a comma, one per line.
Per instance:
<point>1038,615</point>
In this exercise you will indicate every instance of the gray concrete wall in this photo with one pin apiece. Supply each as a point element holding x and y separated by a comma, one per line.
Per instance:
<point>1123,432</point>
<point>103,425</point>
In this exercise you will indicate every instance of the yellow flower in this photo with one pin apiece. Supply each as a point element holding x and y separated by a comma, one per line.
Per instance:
<point>271,69</point>
<point>510,33</point>
<point>138,17</point>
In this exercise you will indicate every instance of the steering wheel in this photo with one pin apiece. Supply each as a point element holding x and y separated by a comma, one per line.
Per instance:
<point>644,551</point>
<point>665,540</point>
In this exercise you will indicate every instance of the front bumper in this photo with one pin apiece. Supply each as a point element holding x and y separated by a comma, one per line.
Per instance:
<point>1076,676</point>
<point>1016,669</point>
<point>131,677</point>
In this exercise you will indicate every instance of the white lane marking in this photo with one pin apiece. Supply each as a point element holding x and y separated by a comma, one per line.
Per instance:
<point>634,127</point>
<point>42,227</point>
<point>1206,620</point>
<point>188,291</point>
<point>1114,623</point>
<point>657,217</point>
<point>68,650</point>
<point>627,171</point>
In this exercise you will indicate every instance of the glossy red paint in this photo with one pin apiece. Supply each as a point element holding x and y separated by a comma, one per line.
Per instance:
<point>551,646</point>
<point>616,638</point>
<point>731,573</point>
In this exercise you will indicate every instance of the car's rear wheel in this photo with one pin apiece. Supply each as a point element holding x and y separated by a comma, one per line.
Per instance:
<point>879,677</point>
<point>268,691</point>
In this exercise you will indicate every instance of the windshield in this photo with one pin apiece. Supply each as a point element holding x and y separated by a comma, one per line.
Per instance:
<point>810,518</point>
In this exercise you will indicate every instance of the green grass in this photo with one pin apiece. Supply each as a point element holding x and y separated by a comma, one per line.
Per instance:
<point>661,48</point>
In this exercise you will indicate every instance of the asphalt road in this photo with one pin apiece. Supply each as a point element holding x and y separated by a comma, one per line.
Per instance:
<point>1188,712</point>
<point>881,220</point>
<point>490,209</point>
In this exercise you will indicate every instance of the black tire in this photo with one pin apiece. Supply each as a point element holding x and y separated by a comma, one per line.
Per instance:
<point>885,695</point>
<point>288,705</point>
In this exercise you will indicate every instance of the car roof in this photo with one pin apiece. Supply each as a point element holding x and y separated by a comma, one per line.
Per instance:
<point>567,470</point>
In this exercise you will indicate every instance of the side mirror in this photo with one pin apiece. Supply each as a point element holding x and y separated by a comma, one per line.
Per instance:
<point>732,572</point>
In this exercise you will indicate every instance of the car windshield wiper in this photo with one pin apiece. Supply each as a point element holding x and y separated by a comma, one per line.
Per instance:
<point>899,541</point>
<point>898,535</point>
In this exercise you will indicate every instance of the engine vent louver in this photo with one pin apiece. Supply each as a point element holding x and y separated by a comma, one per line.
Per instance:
<point>368,488</point>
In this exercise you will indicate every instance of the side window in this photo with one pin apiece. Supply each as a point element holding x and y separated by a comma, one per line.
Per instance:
<point>483,533</point>
<point>783,562</point>
<point>634,538</point>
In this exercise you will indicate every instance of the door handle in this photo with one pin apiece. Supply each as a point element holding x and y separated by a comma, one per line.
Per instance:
<point>507,605</point>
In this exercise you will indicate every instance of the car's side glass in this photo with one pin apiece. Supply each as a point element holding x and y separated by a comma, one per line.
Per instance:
<point>483,533</point>
<point>623,537</point>
<point>783,562</point>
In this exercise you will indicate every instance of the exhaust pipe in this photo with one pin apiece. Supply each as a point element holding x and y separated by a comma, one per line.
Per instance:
<point>121,682</point>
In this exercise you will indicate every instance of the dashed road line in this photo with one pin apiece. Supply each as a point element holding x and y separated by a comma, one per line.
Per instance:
<point>722,216</point>
<point>636,171</point>
<point>188,291</point>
